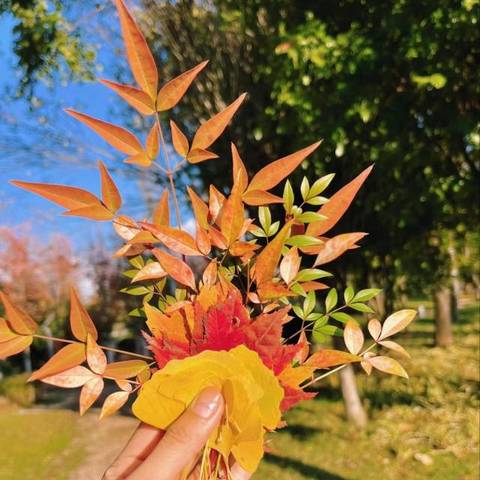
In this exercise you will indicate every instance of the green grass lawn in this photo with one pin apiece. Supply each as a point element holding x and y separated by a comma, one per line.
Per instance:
<point>423,428</point>
<point>38,444</point>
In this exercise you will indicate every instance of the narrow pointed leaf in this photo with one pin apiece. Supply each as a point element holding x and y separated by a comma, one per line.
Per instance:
<point>213,128</point>
<point>93,212</point>
<point>173,238</point>
<point>15,345</point>
<point>260,197</point>
<point>271,175</point>
<point>110,194</point>
<point>96,359</point>
<point>152,144</point>
<point>116,136</point>
<point>388,365</point>
<point>268,258</point>
<point>331,358</point>
<point>151,271</point>
<point>72,378</point>
<point>198,155</point>
<point>113,403</point>
<point>336,246</point>
<point>200,208</point>
<point>203,240</point>
<point>396,322</point>
<point>338,205</point>
<point>215,203</point>
<point>139,55</point>
<point>6,332</point>
<point>179,140</point>
<point>374,328</point>
<point>138,99</point>
<point>232,218</point>
<point>353,337</point>
<point>395,347</point>
<point>161,213</point>
<point>172,92</point>
<point>18,320</point>
<point>240,176</point>
<point>90,393</point>
<point>80,321</point>
<point>290,265</point>
<point>125,369</point>
<point>176,268</point>
<point>70,356</point>
<point>63,195</point>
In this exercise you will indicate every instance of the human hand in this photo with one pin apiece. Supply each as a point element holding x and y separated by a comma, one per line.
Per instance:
<point>153,454</point>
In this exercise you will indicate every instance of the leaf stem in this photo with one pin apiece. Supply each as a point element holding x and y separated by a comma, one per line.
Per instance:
<point>110,349</point>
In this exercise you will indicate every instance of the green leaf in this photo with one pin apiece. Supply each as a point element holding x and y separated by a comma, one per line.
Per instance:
<point>136,290</point>
<point>265,218</point>
<point>303,241</point>
<point>313,317</point>
<point>148,297</point>
<point>367,294</point>
<point>331,300</point>
<point>321,184</point>
<point>288,196</point>
<point>298,311</point>
<point>308,274</point>
<point>305,188</point>
<point>310,217</point>
<point>137,262</point>
<point>258,232</point>
<point>130,273</point>
<point>361,307</point>
<point>273,228</point>
<point>298,289</point>
<point>342,317</point>
<point>317,201</point>
<point>320,322</point>
<point>137,312</point>
<point>180,294</point>
<point>331,331</point>
<point>309,303</point>
<point>348,294</point>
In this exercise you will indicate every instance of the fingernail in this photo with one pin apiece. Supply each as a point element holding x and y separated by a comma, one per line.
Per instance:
<point>206,404</point>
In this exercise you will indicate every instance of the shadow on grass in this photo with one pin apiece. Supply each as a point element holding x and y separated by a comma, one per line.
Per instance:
<point>301,432</point>
<point>309,471</point>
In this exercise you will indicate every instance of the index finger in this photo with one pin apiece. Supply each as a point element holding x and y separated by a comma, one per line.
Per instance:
<point>142,442</point>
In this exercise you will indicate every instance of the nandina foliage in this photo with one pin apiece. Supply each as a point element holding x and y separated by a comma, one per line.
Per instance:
<point>252,275</point>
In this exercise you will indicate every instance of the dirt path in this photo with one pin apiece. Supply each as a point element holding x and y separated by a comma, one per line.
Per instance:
<point>102,441</point>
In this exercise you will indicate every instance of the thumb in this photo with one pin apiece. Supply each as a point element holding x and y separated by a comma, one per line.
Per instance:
<point>184,439</point>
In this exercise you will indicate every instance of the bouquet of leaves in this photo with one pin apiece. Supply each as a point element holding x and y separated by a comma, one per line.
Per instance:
<point>220,324</point>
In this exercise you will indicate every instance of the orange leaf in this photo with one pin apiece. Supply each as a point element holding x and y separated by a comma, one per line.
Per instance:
<point>161,213</point>
<point>271,290</point>
<point>70,356</point>
<point>113,403</point>
<point>172,92</point>
<point>337,205</point>
<point>215,203</point>
<point>259,197</point>
<point>15,345</point>
<point>173,238</point>
<point>294,376</point>
<point>116,136</point>
<point>213,128</point>
<point>125,369</point>
<point>290,265</point>
<point>336,246</point>
<point>209,276</point>
<point>152,144</point>
<point>374,328</point>
<point>139,55</point>
<point>232,218</point>
<point>143,237</point>
<point>151,271</point>
<point>268,258</point>
<point>312,286</point>
<point>200,208</point>
<point>96,359</point>
<point>388,365</point>
<point>141,159</point>
<point>138,99</point>
<point>173,327</point>
<point>271,175</point>
<point>239,248</point>
<point>302,355</point>
<point>18,320</point>
<point>125,385</point>
<point>240,176</point>
<point>129,251</point>
<point>67,197</point>
<point>72,378</point>
<point>179,140</point>
<point>353,337</point>
<point>176,268</point>
<point>217,238</point>
<point>110,194</point>
<point>202,240</point>
<point>93,212</point>
<point>331,358</point>
<point>198,155</point>
<point>80,321</point>
<point>125,227</point>
<point>6,333</point>
<point>396,322</point>
<point>90,392</point>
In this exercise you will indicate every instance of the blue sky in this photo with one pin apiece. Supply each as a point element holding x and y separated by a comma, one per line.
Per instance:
<point>32,155</point>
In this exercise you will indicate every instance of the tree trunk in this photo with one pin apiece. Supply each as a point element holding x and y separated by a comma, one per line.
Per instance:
<point>443,317</point>
<point>353,405</point>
